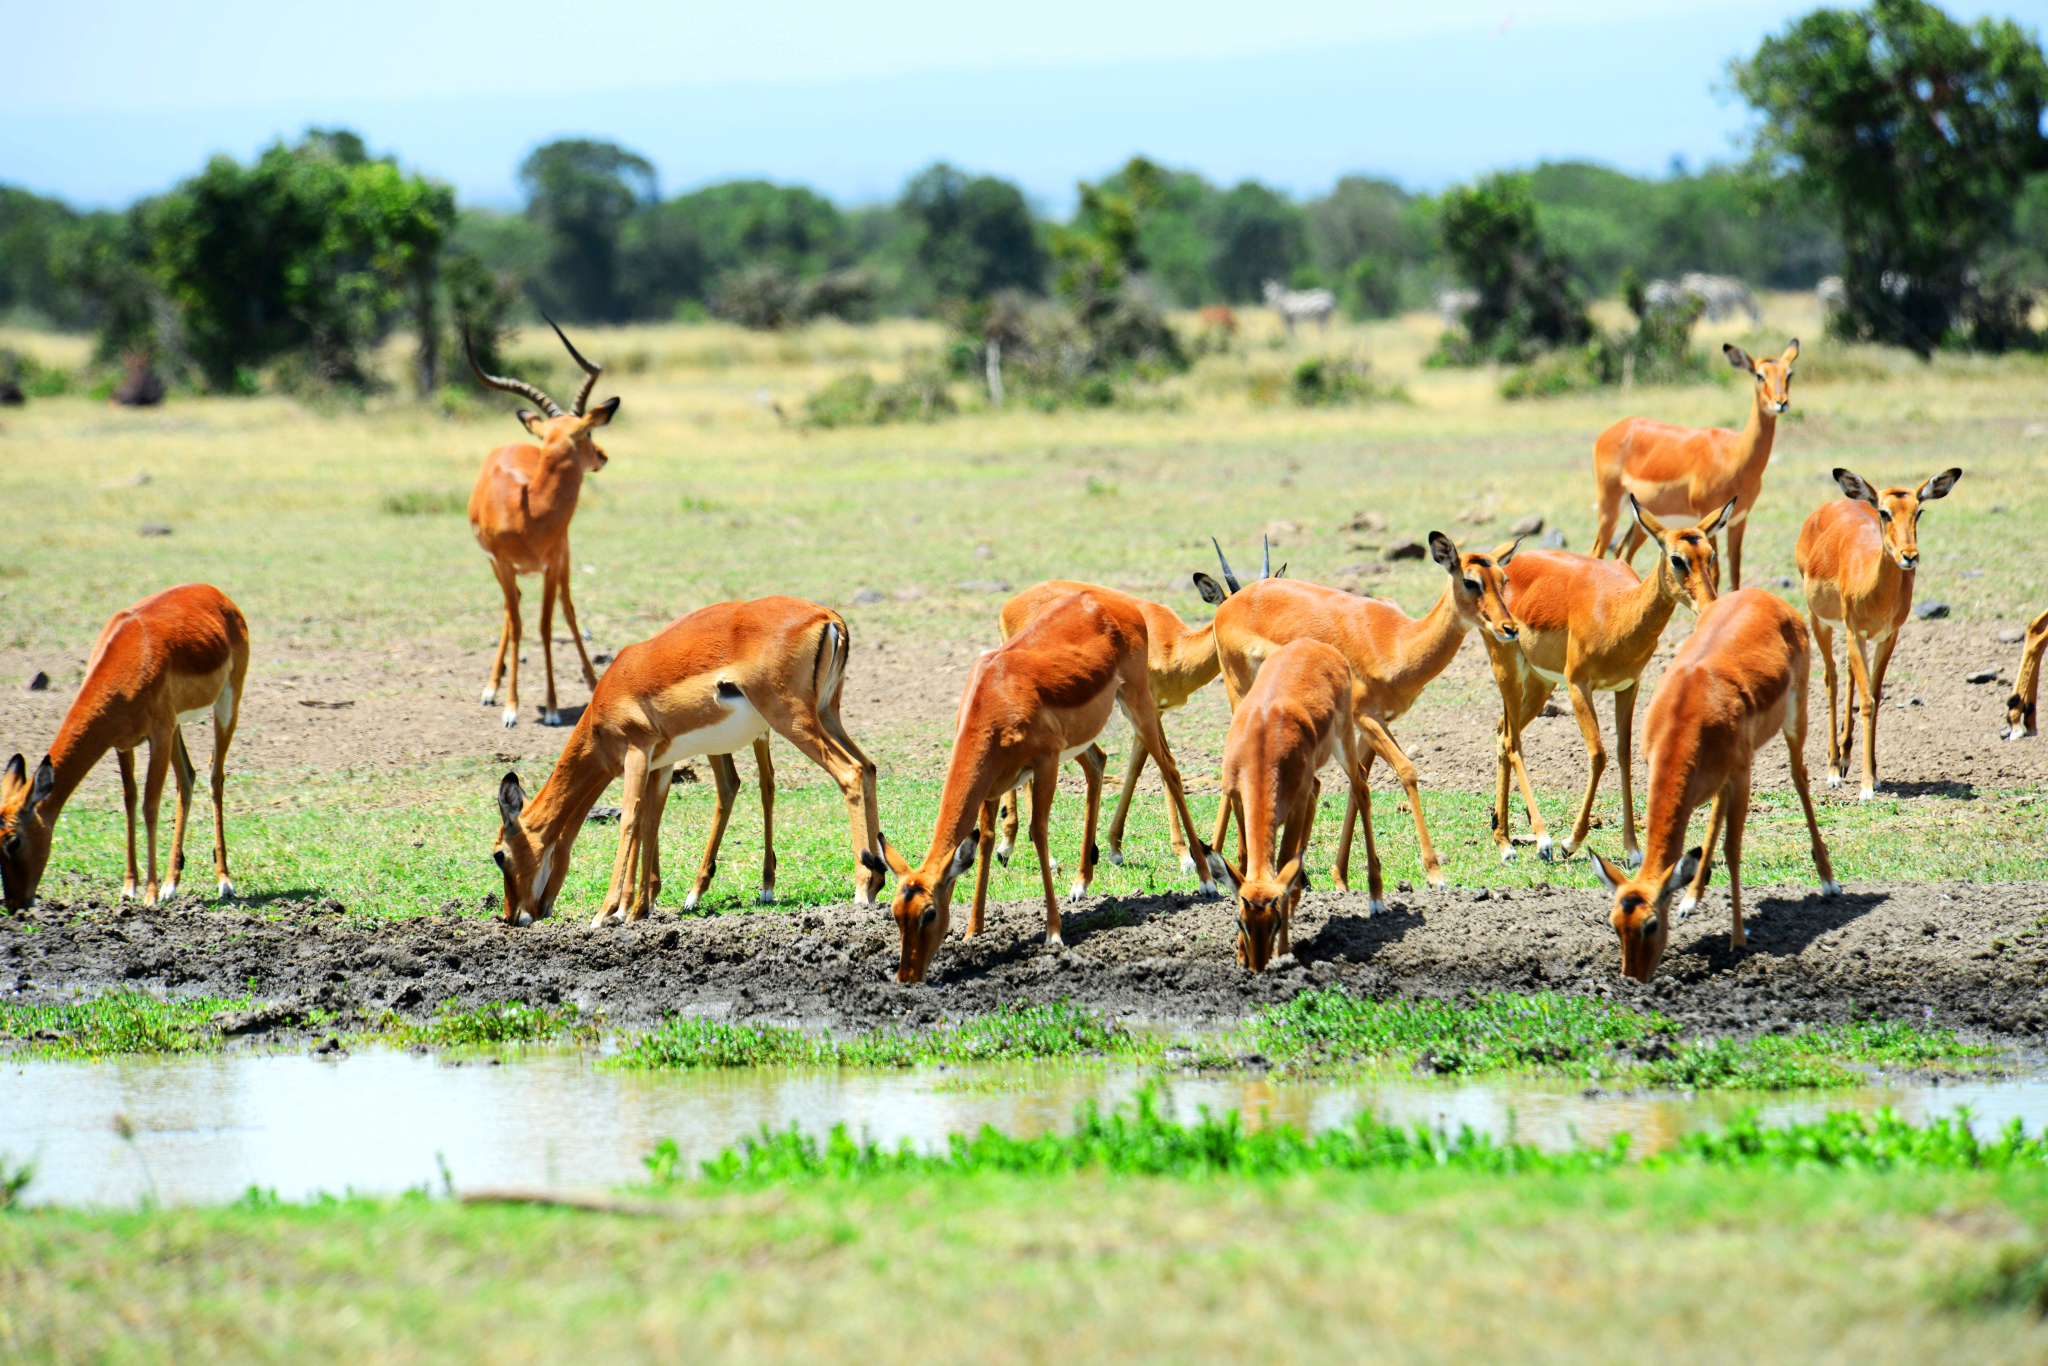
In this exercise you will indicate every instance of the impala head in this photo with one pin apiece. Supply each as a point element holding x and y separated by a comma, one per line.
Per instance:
<point>24,830</point>
<point>552,426</point>
<point>528,869</point>
<point>1214,593</point>
<point>1642,910</point>
<point>923,902</point>
<point>1898,510</point>
<point>1773,377</point>
<point>1477,579</point>
<point>1687,553</point>
<point>1263,906</point>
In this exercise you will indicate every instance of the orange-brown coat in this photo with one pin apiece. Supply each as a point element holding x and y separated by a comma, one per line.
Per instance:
<point>1297,713</point>
<point>709,683</point>
<point>1859,556</point>
<point>2026,688</point>
<point>1039,698</point>
<point>1591,625</point>
<point>1392,655</point>
<point>170,658</point>
<point>1739,678</point>
<point>1689,472</point>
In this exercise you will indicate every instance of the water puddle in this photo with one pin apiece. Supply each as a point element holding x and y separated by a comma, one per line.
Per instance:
<point>380,1121</point>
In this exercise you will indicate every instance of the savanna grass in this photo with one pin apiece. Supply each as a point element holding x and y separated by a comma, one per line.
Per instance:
<point>1012,1033</point>
<point>118,1022</point>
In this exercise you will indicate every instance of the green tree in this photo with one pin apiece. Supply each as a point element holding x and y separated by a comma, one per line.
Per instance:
<point>1917,133</point>
<point>583,192</point>
<point>1527,302</point>
<point>975,234</point>
<point>1372,235</point>
<point>1256,235</point>
<point>686,249</point>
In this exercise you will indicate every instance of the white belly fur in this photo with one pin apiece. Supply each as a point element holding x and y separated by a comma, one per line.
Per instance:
<point>741,727</point>
<point>220,708</point>
<point>1549,677</point>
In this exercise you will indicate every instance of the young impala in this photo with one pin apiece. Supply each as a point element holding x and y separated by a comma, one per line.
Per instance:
<point>1297,713</point>
<point>520,511</point>
<point>1739,679</point>
<point>1392,656</point>
<point>1591,625</point>
<point>1688,472</point>
<point>1036,700</point>
<point>1859,556</point>
<point>169,659</point>
<point>709,683</point>
<point>2026,687</point>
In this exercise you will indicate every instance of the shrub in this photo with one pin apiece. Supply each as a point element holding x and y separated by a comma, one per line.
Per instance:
<point>1657,350</point>
<point>35,379</point>
<point>759,297</point>
<point>858,400</point>
<point>1331,381</point>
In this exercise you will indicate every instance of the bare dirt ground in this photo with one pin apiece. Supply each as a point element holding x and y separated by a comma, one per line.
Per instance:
<point>1973,955</point>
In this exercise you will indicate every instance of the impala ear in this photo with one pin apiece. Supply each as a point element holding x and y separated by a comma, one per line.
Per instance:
<point>511,799</point>
<point>1444,552</point>
<point>1292,873</point>
<point>1647,520</point>
<point>1211,591</point>
<point>601,415</point>
<point>1939,485</point>
<point>1856,486</point>
<point>897,864</point>
<point>1505,554</point>
<point>1720,520</point>
<point>1738,357</point>
<point>13,776</point>
<point>46,782</point>
<point>1220,868</point>
<point>1791,352</point>
<point>1683,873</point>
<point>963,860</point>
<point>1610,876</point>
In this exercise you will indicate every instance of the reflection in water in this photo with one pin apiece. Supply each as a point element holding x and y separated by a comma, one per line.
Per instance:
<point>379,1121</point>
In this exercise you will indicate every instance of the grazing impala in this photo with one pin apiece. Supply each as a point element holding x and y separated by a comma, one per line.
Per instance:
<point>1036,700</point>
<point>1591,625</point>
<point>2026,688</point>
<point>520,512</point>
<point>1688,472</point>
<point>1297,713</point>
<point>1859,556</point>
<point>1739,679</point>
<point>169,659</point>
<point>1179,662</point>
<point>1392,656</point>
<point>709,683</point>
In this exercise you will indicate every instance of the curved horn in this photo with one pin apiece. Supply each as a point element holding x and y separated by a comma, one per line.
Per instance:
<point>1266,552</point>
<point>590,371</point>
<point>510,386</point>
<point>1228,577</point>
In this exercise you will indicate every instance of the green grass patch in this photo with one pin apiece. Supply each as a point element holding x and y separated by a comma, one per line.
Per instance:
<point>498,1024</point>
<point>1016,1032</point>
<point>1809,1057</point>
<point>423,502</point>
<point>118,1022</point>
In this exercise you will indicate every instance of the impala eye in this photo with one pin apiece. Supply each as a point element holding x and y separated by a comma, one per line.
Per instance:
<point>498,857</point>
<point>1473,587</point>
<point>1678,565</point>
<point>1884,514</point>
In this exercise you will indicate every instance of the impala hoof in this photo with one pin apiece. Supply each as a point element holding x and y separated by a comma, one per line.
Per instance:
<point>523,920</point>
<point>861,897</point>
<point>170,890</point>
<point>1187,863</point>
<point>128,892</point>
<point>1079,890</point>
<point>1209,888</point>
<point>1003,854</point>
<point>766,897</point>
<point>551,717</point>
<point>1507,853</point>
<point>690,901</point>
<point>227,890</point>
<point>1116,856</point>
<point>1544,849</point>
<point>1376,907</point>
<point>1053,940</point>
<point>1834,780</point>
<point>1631,858</point>
<point>1866,794</point>
<point>1831,890</point>
<point>490,697</point>
<point>511,717</point>
<point>1439,883</point>
<point>1685,905</point>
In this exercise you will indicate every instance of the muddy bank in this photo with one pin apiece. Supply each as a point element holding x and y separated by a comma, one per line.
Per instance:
<point>1973,955</point>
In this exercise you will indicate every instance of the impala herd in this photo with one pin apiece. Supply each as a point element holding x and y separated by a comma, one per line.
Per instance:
<point>1310,673</point>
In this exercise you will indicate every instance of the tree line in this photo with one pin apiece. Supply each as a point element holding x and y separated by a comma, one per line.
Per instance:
<point>1894,147</point>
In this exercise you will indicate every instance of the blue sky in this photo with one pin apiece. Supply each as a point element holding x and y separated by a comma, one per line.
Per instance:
<point>125,97</point>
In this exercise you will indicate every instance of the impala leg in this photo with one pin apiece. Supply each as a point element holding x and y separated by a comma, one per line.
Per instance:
<point>1361,801</point>
<point>1092,761</point>
<point>1875,705</point>
<point>1624,746</point>
<point>1632,544</point>
<point>1044,784</point>
<point>1532,706</point>
<point>508,590</point>
<point>1143,714</point>
<point>1596,760</point>
<point>569,617</point>
<point>1697,892</point>
<point>509,579</point>
<point>1353,804</point>
<point>624,862</point>
<point>1735,532</point>
<point>1132,768</point>
<point>826,746</point>
<point>988,843</point>
<point>152,798</point>
<point>725,780</point>
<point>1008,807</point>
<point>648,884</point>
<point>1824,646</point>
<point>867,885</point>
<point>764,771</point>
<point>182,772</point>
<point>1384,744</point>
<point>1860,682</point>
<point>225,719</point>
<point>1797,758</point>
<point>550,715</point>
<point>126,758</point>
<point>1610,517</point>
<point>1738,817</point>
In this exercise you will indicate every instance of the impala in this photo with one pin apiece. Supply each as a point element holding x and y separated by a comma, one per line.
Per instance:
<point>1858,556</point>
<point>1392,657</point>
<point>710,683</point>
<point>1738,679</point>
<point>1591,625</point>
<point>520,512</point>
<point>2026,688</point>
<point>1036,700</point>
<point>1687,472</point>
<point>169,659</point>
<point>1296,714</point>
